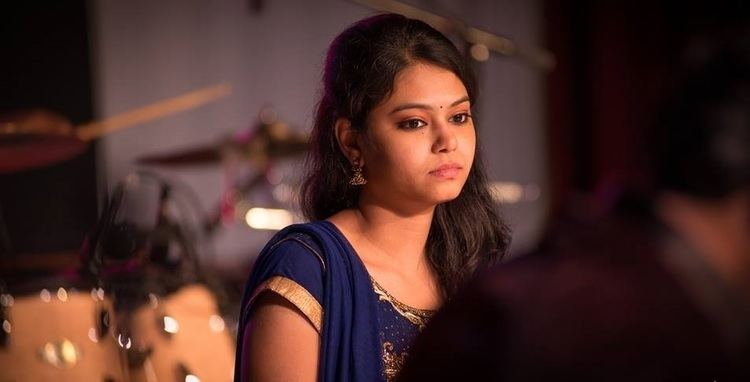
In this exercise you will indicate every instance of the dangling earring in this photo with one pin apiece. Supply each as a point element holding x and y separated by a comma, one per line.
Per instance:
<point>357,178</point>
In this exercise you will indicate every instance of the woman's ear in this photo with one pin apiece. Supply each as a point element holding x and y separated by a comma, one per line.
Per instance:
<point>346,137</point>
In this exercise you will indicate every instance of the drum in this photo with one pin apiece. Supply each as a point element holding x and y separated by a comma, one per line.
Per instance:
<point>181,337</point>
<point>59,335</point>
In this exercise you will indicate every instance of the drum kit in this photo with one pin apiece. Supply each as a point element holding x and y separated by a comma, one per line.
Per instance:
<point>139,306</point>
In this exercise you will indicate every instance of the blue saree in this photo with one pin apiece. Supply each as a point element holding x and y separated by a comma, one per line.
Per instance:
<point>336,295</point>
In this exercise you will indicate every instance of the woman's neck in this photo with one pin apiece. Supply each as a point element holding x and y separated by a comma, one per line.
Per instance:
<point>391,244</point>
<point>384,238</point>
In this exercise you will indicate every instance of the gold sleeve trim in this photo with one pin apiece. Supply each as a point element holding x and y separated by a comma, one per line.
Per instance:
<point>297,295</point>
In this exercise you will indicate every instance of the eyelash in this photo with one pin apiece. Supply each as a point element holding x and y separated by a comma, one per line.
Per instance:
<point>466,118</point>
<point>405,125</point>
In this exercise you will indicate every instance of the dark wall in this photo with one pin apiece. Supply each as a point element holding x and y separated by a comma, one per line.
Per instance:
<point>45,64</point>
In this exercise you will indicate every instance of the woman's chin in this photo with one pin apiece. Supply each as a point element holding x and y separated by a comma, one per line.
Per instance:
<point>445,196</point>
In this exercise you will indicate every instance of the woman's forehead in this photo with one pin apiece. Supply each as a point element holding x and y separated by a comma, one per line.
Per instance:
<point>426,84</point>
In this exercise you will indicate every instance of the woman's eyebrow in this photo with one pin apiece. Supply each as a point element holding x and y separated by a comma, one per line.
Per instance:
<point>407,106</point>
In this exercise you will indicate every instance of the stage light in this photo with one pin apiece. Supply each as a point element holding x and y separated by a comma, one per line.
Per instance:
<point>268,218</point>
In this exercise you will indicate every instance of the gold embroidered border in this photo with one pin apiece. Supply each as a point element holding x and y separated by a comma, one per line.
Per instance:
<point>416,316</point>
<point>297,295</point>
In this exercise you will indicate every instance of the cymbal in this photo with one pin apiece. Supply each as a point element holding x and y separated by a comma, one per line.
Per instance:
<point>36,138</point>
<point>264,142</point>
<point>195,156</point>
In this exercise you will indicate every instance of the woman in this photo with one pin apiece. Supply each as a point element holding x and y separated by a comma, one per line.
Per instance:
<point>401,215</point>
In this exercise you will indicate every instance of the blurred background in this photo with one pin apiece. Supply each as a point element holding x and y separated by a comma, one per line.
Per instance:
<point>149,149</point>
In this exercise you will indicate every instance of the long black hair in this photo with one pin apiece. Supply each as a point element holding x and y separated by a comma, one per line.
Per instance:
<point>467,233</point>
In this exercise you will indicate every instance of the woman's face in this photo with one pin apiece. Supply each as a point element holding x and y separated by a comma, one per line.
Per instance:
<point>419,143</point>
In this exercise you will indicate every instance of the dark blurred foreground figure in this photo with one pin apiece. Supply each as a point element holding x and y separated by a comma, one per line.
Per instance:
<point>657,290</point>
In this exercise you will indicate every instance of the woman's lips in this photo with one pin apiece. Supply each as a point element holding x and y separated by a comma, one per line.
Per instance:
<point>447,171</point>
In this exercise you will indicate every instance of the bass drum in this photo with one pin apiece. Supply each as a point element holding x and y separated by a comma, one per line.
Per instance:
<point>181,337</point>
<point>59,335</point>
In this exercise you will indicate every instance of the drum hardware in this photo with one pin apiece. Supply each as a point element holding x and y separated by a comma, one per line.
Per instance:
<point>266,141</point>
<point>183,374</point>
<point>5,332</point>
<point>6,302</point>
<point>62,354</point>
<point>170,246</point>
<point>479,42</point>
<point>103,324</point>
<point>261,146</point>
<point>137,354</point>
<point>169,325</point>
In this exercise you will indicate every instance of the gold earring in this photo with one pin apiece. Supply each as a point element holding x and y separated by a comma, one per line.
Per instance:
<point>357,179</point>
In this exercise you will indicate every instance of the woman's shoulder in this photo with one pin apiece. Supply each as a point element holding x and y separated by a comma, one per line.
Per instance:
<point>302,236</point>
<point>292,266</point>
<point>304,249</point>
<point>295,246</point>
<point>317,232</point>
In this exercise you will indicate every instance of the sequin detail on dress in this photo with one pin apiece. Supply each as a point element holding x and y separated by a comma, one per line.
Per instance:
<point>399,325</point>
<point>392,361</point>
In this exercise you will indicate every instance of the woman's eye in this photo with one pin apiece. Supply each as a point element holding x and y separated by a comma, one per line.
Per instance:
<point>412,124</point>
<point>460,118</point>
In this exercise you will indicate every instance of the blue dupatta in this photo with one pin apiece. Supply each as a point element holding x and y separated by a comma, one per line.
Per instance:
<point>349,343</point>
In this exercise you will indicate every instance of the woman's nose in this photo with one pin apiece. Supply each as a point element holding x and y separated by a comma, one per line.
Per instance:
<point>445,138</point>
